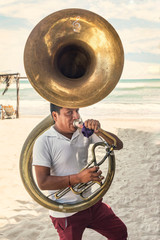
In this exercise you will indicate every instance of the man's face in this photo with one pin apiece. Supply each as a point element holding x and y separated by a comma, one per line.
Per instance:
<point>64,120</point>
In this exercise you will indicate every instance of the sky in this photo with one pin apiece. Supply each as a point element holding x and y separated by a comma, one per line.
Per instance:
<point>137,22</point>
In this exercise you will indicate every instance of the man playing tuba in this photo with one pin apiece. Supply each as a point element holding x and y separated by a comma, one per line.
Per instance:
<point>59,154</point>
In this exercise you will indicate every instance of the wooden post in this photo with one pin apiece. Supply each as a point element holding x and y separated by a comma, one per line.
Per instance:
<point>2,111</point>
<point>17,107</point>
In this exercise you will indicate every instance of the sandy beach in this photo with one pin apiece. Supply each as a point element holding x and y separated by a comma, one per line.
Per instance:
<point>134,194</point>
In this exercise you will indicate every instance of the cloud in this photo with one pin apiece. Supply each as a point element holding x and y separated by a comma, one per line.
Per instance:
<point>12,53</point>
<point>141,40</point>
<point>36,10</point>
<point>136,39</point>
<point>133,70</point>
<point>147,10</point>
<point>154,69</point>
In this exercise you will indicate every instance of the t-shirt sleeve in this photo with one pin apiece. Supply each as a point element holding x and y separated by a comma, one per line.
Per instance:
<point>41,153</point>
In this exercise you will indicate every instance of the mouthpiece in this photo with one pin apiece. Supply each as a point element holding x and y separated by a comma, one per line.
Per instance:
<point>77,122</point>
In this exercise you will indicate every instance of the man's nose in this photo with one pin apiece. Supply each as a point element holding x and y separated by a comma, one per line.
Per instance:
<point>76,115</point>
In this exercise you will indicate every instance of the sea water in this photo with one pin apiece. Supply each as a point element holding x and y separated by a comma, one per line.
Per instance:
<point>131,98</point>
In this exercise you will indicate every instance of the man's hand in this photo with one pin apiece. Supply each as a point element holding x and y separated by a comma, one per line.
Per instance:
<point>92,124</point>
<point>90,174</point>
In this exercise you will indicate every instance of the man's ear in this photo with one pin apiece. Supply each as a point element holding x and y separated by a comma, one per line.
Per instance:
<point>54,115</point>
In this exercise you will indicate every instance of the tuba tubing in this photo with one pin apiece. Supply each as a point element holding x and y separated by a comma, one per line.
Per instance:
<point>32,188</point>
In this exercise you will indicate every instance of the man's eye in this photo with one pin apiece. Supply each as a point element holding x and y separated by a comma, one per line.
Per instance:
<point>69,113</point>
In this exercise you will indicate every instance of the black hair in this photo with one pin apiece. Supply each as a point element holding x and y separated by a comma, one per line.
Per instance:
<point>54,108</point>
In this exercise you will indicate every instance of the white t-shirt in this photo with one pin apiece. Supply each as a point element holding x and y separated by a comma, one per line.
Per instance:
<point>63,156</point>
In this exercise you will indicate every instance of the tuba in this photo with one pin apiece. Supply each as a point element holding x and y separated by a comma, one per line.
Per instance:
<point>73,58</point>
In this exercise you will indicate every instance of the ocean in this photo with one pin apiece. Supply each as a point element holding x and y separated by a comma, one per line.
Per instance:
<point>131,98</point>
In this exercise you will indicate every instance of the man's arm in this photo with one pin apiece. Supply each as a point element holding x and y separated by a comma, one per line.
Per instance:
<point>110,138</point>
<point>48,182</point>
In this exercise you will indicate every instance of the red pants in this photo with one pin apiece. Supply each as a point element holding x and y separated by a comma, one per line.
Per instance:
<point>99,217</point>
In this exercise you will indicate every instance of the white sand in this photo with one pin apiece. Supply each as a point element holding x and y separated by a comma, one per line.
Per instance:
<point>134,194</point>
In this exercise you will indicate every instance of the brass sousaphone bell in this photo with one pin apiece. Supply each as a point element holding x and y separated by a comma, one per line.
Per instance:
<point>73,58</point>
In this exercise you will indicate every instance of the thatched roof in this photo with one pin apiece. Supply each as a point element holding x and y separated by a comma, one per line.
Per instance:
<point>8,79</point>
